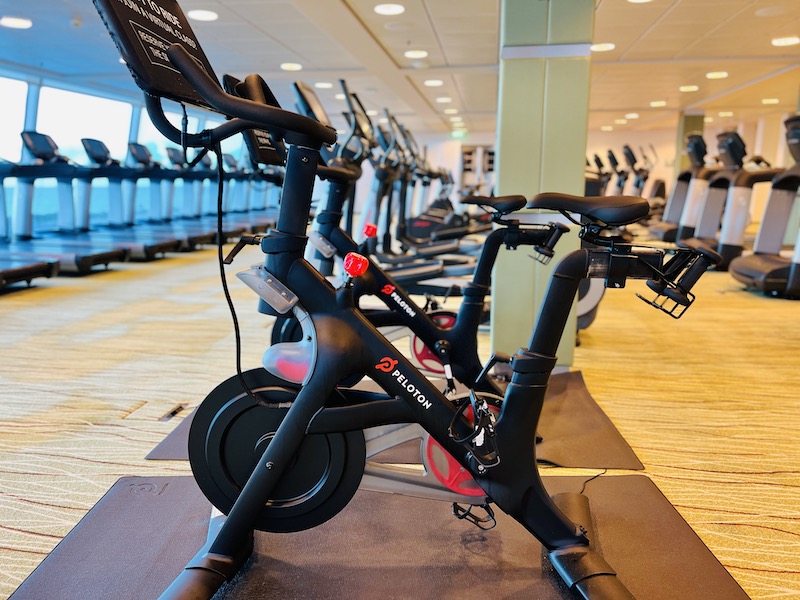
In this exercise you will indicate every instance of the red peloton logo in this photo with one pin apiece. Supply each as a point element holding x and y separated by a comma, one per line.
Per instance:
<point>387,289</point>
<point>386,365</point>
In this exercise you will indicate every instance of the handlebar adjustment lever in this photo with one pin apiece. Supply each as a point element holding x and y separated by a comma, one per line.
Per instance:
<point>245,240</point>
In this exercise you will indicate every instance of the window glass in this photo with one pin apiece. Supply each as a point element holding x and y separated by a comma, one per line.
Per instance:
<point>14,93</point>
<point>69,116</point>
<point>155,141</point>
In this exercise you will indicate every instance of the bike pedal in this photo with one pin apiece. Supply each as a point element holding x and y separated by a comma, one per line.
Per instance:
<point>464,513</point>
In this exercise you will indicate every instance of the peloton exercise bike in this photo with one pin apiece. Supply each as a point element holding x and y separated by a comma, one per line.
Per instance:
<point>442,342</point>
<point>279,458</point>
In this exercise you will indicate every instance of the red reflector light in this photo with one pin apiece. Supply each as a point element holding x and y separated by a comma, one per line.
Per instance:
<point>355,265</point>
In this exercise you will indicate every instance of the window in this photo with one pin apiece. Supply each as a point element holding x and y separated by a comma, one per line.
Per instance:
<point>155,141</point>
<point>14,94</point>
<point>69,116</point>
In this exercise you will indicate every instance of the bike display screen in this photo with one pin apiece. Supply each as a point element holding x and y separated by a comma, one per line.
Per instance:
<point>143,30</point>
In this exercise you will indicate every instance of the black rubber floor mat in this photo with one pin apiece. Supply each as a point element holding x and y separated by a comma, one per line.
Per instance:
<point>379,546</point>
<point>574,429</point>
<point>132,544</point>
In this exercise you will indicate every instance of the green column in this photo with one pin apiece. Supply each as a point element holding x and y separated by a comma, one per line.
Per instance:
<point>542,118</point>
<point>686,124</point>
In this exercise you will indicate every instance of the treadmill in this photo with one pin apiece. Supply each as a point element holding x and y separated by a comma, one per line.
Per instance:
<point>140,245</point>
<point>123,213</point>
<point>726,207</point>
<point>768,269</point>
<point>688,190</point>
<point>18,267</point>
<point>196,191</point>
<point>76,251</point>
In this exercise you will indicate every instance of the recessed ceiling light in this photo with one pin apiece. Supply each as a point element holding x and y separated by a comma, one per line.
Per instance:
<point>383,120</point>
<point>339,96</point>
<point>458,134</point>
<point>444,99</point>
<point>456,119</point>
<point>708,119</point>
<point>606,128</point>
<point>717,75</point>
<point>632,116</point>
<point>725,113</point>
<point>390,9</point>
<point>786,41</point>
<point>323,85</point>
<point>291,67</point>
<point>451,111</point>
<point>202,15</point>
<point>620,121</point>
<point>604,47</point>
<point>372,113</point>
<point>658,103</point>
<point>416,54</point>
<point>639,1</point>
<point>433,83</point>
<point>770,101</point>
<point>16,23</point>
<point>689,88</point>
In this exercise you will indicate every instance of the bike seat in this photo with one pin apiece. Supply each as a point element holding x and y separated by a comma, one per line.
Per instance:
<point>613,211</point>
<point>500,204</point>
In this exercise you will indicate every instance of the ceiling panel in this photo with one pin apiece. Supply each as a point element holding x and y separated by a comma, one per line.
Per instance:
<point>660,46</point>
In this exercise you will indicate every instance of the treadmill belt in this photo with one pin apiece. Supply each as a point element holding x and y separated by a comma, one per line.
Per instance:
<point>141,533</point>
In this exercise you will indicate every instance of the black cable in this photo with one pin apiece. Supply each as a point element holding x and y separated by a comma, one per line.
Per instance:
<point>583,489</point>
<point>220,260</point>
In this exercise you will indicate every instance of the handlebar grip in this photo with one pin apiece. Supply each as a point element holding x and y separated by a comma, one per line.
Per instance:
<point>294,128</point>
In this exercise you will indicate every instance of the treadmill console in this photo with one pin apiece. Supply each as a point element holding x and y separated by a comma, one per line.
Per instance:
<point>41,146</point>
<point>176,156</point>
<point>793,136</point>
<point>612,160</point>
<point>630,157</point>
<point>98,152</point>
<point>696,149</point>
<point>731,149</point>
<point>141,154</point>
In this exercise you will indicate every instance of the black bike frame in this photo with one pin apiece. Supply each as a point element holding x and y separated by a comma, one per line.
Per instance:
<point>461,339</point>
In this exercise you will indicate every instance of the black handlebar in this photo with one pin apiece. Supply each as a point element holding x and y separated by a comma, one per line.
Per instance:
<point>294,128</point>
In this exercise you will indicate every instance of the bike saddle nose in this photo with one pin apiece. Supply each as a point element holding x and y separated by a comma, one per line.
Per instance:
<point>613,211</point>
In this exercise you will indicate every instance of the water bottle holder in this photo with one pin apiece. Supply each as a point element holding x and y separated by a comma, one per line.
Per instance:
<point>668,305</point>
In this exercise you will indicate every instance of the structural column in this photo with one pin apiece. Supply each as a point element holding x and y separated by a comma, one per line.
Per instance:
<point>541,144</point>
<point>686,124</point>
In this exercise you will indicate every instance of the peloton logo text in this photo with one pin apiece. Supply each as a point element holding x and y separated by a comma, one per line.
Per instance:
<point>389,291</point>
<point>387,364</point>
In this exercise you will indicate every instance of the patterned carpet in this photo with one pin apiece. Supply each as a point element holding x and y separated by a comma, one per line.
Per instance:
<point>89,367</point>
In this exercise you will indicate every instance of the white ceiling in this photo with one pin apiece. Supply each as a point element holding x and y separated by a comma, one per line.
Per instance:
<point>659,47</point>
